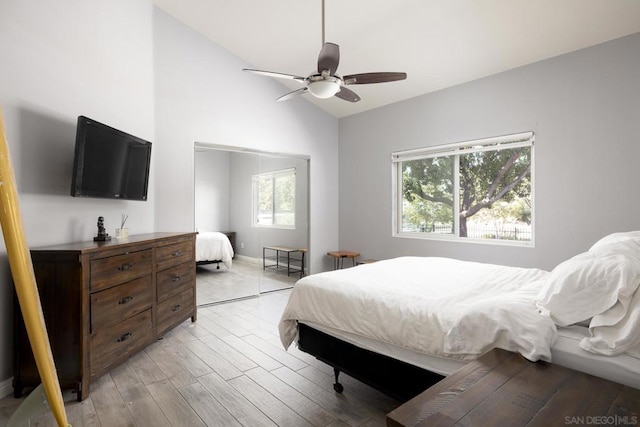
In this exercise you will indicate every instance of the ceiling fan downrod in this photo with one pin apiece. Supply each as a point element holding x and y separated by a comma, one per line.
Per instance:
<point>322,22</point>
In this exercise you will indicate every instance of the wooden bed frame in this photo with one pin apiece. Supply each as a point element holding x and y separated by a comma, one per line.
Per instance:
<point>392,377</point>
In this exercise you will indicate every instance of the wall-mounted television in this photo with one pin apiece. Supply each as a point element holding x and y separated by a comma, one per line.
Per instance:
<point>109,163</point>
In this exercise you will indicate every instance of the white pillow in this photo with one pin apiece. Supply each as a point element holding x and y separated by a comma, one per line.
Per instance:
<point>587,285</point>
<point>626,239</point>
<point>628,248</point>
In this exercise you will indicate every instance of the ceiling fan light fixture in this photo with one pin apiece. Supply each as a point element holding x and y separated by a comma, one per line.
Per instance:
<point>324,88</point>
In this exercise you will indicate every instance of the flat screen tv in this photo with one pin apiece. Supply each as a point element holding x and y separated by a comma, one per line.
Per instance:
<point>109,163</point>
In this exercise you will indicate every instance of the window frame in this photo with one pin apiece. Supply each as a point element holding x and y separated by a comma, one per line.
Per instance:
<point>255,195</point>
<point>523,139</point>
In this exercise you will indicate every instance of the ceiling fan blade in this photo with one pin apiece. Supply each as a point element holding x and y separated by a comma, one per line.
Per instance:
<point>329,58</point>
<point>292,94</point>
<point>273,74</point>
<point>366,78</point>
<point>347,95</point>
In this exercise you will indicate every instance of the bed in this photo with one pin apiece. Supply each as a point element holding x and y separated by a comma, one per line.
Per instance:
<point>214,247</point>
<point>400,325</point>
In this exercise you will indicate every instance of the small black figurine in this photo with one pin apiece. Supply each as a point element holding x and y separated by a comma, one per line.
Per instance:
<point>102,234</point>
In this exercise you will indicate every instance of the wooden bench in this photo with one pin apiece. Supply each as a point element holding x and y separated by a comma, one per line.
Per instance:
<point>503,388</point>
<point>283,260</point>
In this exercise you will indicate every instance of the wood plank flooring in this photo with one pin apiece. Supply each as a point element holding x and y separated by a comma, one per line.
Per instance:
<point>226,369</point>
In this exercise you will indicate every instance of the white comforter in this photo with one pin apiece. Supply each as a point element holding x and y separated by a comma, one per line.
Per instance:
<point>437,306</point>
<point>213,246</point>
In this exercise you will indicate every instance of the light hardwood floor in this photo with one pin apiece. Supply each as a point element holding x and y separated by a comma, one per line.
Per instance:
<point>226,369</point>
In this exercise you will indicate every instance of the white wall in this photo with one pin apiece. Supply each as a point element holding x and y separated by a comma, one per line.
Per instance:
<point>211,190</point>
<point>60,60</point>
<point>584,108</point>
<point>203,96</point>
<point>125,64</point>
<point>242,166</point>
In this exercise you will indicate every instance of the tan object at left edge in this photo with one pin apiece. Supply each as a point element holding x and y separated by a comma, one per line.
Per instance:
<point>25,281</point>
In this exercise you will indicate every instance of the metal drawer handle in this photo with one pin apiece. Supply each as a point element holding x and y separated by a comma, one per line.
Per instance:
<point>125,266</point>
<point>125,300</point>
<point>176,278</point>
<point>176,253</point>
<point>176,307</point>
<point>125,337</point>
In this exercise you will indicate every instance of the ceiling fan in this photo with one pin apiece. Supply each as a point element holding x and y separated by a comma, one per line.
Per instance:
<point>325,83</point>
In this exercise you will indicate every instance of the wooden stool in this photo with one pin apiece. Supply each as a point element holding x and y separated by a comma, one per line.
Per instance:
<point>339,256</point>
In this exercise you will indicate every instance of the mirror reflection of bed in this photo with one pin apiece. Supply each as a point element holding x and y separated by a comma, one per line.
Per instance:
<point>225,181</point>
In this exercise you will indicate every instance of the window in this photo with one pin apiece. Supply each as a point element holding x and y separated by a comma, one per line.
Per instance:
<point>474,191</point>
<point>274,199</point>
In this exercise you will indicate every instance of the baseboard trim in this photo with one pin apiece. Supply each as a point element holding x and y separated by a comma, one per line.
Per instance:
<point>256,261</point>
<point>6,388</point>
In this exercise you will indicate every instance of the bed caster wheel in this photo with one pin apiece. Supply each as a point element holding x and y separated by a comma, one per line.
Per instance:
<point>337,386</point>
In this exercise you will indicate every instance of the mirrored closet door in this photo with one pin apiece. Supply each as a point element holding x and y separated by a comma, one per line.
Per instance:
<point>258,204</point>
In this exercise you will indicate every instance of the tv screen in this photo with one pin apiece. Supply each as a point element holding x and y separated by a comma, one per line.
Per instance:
<point>109,163</point>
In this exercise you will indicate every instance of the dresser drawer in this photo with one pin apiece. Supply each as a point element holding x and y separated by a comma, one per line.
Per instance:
<point>177,253</point>
<point>173,310</point>
<point>107,272</point>
<point>111,345</point>
<point>117,303</point>
<point>174,280</point>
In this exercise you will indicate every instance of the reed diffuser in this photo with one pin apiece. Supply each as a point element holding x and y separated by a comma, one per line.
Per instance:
<point>122,232</point>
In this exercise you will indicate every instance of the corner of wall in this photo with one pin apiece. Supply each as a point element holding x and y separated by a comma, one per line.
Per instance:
<point>6,387</point>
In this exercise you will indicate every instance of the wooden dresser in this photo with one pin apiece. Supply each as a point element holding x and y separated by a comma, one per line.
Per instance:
<point>104,301</point>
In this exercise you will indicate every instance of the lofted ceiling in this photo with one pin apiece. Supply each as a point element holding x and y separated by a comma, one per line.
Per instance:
<point>438,43</point>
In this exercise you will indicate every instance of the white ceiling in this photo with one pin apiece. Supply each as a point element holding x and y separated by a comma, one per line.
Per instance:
<point>438,43</point>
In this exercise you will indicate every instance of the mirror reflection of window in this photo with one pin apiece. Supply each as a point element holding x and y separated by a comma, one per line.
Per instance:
<point>274,196</point>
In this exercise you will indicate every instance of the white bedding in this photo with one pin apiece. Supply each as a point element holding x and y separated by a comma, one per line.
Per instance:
<point>437,306</point>
<point>213,246</point>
